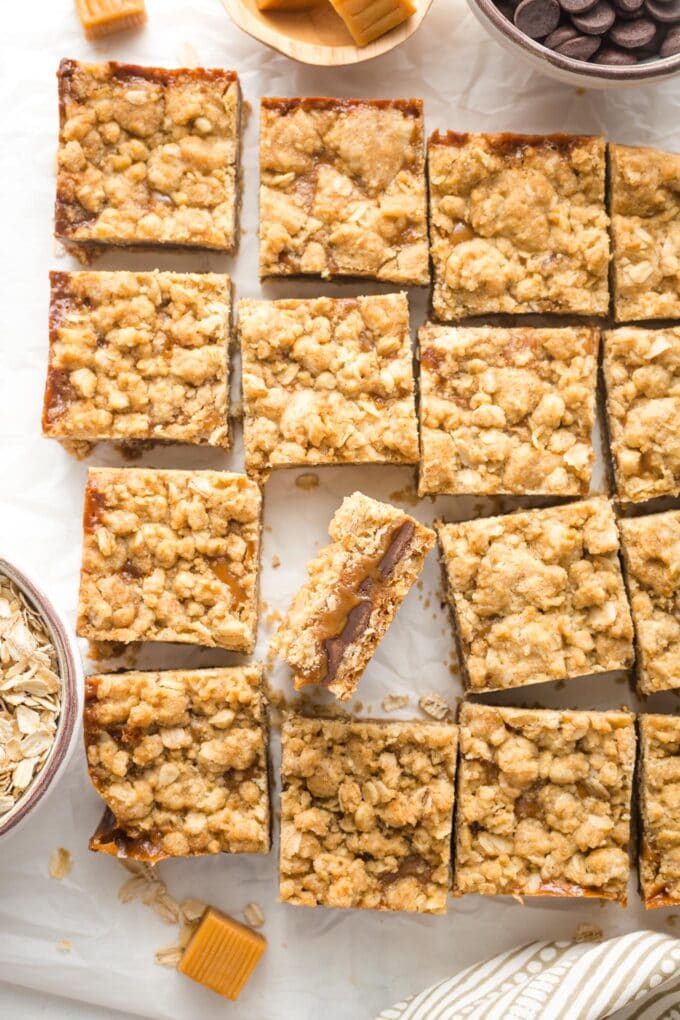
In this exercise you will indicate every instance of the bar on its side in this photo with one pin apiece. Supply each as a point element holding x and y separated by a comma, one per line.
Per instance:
<point>356,585</point>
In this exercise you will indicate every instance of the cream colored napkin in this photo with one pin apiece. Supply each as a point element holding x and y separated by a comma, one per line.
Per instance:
<point>559,981</point>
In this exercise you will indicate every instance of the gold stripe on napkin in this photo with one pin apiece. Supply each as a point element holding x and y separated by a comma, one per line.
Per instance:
<point>559,981</point>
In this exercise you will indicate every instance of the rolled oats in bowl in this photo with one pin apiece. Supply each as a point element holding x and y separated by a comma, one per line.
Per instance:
<point>41,684</point>
<point>30,694</point>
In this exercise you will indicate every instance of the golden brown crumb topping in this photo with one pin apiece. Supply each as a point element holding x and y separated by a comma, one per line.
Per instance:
<point>147,156</point>
<point>327,381</point>
<point>180,758</point>
<point>538,595</point>
<point>366,813</point>
<point>642,378</point>
<point>342,189</point>
<point>518,224</point>
<point>659,798</point>
<point>170,556</point>
<point>543,803</point>
<point>506,410</point>
<point>651,547</point>
<point>139,356</point>
<point>645,198</point>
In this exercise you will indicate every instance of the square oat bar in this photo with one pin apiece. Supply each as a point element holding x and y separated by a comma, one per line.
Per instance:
<point>170,556</point>
<point>356,585</point>
<point>543,802</point>
<point>147,156</point>
<point>366,813</point>
<point>506,410</point>
<point>327,381</point>
<point>642,382</point>
<point>139,357</point>
<point>659,794</point>
<point>537,595</point>
<point>651,556</point>
<point>645,204</point>
<point>342,189</point>
<point>180,759</point>
<point>518,224</point>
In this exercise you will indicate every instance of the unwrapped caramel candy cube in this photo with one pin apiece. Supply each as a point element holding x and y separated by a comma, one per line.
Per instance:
<point>222,954</point>
<point>369,19</point>
<point>286,5</point>
<point>101,17</point>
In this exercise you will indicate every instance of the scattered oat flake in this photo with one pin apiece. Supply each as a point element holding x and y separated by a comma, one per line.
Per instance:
<point>434,705</point>
<point>64,946</point>
<point>60,864</point>
<point>391,702</point>
<point>169,956</point>
<point>254,915</point>
<point>276,562</point>
<point>307,481</point>
<point>587,932</point>
<point>192,909</point>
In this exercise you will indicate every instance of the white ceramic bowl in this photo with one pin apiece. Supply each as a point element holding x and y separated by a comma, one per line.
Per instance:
<point>71,673</point>
<point>566,69</point>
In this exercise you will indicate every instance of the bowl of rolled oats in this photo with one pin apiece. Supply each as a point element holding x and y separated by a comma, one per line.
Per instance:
<point>40,692</point>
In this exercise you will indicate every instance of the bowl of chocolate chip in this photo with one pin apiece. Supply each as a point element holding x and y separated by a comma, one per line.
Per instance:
<point>592,43</point>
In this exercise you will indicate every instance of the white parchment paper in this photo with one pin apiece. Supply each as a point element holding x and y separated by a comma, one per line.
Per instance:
<point>319,962</point>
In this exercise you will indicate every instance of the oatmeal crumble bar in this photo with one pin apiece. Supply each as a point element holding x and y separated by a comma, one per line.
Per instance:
<point>543,802</point>
<point>342,189</point>
<point>170,556</point>
<point>537,595</point>
<point>642,380</point>
<point>645,203</point>
<point>180,759</point>
<point>327,381</point>
<point>518,224</point>
<point>651,555</point>
<point>506,410</point>
<point>659,793</point>
<point>366,813</point>
<point>147,156</point>
<point>355,588</point>
<point>139,356</point>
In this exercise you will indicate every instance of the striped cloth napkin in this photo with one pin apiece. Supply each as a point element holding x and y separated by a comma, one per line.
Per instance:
<point>560,981</point>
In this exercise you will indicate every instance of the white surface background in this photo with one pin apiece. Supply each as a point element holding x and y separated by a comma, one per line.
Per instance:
<point>338,964</point>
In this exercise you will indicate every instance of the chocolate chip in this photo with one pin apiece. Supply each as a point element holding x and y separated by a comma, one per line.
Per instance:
<point>611,55</point>
<point>596,21</point>
<point>577,6</point>
<point>580,48</point>
<point>666,13</point>
<point>628,6</point>
<point>559,36</point>
<point>671,44</point>
<point>628,15</point>
<point>636,30</point>
<point>396,551</point>
<point>631,34</point>
<point>537,18</point>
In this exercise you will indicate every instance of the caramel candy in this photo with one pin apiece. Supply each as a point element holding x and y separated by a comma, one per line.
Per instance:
<point>222,954</point>
<point>286,5</point>
<point>369,19</point>
<point>102,17</point>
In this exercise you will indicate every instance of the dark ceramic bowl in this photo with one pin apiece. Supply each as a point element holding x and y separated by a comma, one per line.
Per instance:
<point>566,69</point>
<point>71,673</point>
